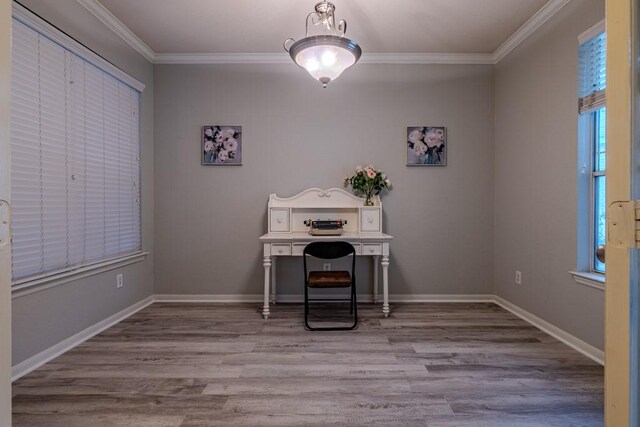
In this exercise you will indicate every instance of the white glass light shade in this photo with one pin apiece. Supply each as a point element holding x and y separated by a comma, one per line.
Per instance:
<point>325,57</point>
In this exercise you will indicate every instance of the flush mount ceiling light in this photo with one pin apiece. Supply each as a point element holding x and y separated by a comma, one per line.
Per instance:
<point>325,56</point>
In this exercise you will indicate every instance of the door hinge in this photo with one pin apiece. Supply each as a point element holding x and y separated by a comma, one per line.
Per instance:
<point>624,224</point>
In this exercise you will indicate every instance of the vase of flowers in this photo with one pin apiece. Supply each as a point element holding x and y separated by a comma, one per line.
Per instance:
<point>368,181</point>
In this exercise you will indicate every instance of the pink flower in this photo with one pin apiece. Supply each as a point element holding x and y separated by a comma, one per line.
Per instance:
<point>208,146</point>
<point>420,149</point>
<point>228,132</point>
<point>434,138</point>
<point>231,144</point>
<point>371,173</point>
<point>415,136</point>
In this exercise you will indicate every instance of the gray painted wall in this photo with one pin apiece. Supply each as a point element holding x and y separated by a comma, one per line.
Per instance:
<point>298,135</point>
<point>536,176</point>
<point>45,318</point>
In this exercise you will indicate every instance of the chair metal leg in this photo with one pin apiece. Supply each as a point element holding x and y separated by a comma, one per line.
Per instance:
<point>306,307</point>
<point>351,303</point>
<point>355,304</point>
<point>354,311</point>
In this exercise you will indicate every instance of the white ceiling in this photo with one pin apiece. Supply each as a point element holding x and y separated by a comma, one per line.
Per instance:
<point>379,26</point>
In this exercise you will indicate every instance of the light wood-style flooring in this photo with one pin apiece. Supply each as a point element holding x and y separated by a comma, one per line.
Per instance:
<point>223,365</point>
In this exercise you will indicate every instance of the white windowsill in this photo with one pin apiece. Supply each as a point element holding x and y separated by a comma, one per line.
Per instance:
<point>43,283</point>
<point>594,280</point>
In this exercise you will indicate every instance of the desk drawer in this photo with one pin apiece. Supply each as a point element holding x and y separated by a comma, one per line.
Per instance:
<point>280,249</point>
<point>279,220</point>
<point>357,247</point>
<point>370,220</point>
<point>372,249</point>
<point>298,249</point>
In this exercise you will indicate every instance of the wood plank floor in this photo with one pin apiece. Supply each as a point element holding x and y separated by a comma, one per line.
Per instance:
<point>222,365</point>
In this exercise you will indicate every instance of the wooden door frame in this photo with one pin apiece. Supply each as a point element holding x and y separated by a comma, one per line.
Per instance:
<point>5,193</point>
<point>619,20</point>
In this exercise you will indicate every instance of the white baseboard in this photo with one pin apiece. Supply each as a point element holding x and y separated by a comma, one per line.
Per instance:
<point>440,298</point>
<point>45,356</point>
<point>23,368</point>
<point>565,337</point>
<point>296,298</point>
<point>249,298</point>
<point>228,298</point>
<point>396,298</point>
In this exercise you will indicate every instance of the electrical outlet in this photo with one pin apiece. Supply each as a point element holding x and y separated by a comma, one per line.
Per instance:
<point>119,280</point>
<point>326,266</point>
<point>518,278</point>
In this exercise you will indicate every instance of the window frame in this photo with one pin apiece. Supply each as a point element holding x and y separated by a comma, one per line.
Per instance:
<point>585,273</point>
<point>593,147</point>
<point>30,284</point>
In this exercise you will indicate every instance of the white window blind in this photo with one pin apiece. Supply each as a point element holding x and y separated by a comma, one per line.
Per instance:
<point>593,73</point>
<point>75,160</point>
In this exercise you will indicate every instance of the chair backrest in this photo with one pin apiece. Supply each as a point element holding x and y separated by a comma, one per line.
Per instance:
<point>329,250</point>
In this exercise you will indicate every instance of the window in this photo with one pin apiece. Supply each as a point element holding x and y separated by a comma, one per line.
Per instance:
<point>75,159</point>
<point>599,187</point>
<point>592,110</point>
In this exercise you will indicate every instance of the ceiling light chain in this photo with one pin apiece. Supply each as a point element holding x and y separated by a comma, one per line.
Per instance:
<point>324,15</point>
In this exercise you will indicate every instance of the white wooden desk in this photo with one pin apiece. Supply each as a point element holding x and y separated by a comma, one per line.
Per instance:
<point>288,235</point>
<point>275,246</point>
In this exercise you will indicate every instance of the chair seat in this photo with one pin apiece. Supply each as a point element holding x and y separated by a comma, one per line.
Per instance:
<point>329,279</point>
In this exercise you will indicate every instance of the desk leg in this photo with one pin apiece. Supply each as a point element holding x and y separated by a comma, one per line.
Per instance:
<point>375,279</point>
<point>385,283</point>
<point>273,280</point>
<point>267,266</point>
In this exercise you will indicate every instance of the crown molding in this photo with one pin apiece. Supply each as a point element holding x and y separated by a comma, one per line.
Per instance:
<point>426,58</point>
<point>115,25</point>
<point>283,58</point>
<point>221,58</point>
<point>528,28</point>
<point>30,19</point>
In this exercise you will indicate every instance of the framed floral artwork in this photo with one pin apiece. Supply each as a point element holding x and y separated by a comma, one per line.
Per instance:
<point>221,145</point>
<point>426,146</point>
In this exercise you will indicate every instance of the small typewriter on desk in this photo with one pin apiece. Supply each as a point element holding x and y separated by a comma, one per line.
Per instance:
<point>325,227</point>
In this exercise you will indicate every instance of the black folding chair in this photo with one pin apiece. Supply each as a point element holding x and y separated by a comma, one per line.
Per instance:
<point>330,279</point>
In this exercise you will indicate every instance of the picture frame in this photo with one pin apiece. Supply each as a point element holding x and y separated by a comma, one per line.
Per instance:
<point>426,145</point>
<point>221,145</point>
